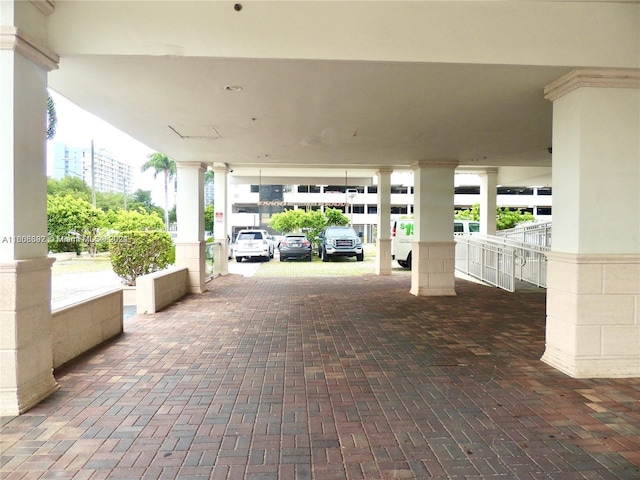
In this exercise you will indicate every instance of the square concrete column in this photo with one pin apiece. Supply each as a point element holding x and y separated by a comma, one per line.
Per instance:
<point>593,276</point>
<point>26,354</point>
<point>383,244</point>
<point>433,250</point>
<point>488,201</point>
<point>190,245</point>
<point>221,213</point>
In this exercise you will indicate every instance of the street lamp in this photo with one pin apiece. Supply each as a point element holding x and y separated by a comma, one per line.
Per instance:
<point>351,193</point>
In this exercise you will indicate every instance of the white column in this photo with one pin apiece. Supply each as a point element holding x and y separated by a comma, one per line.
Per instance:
<point>383,244</point>
<point>433,248</point>
<point>190,245</point>
<point>593,294</point>
<point>488,201</point>
<point>221,216</point>
<point>26,355</point>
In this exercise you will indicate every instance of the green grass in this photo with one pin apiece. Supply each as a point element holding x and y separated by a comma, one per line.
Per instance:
<point>81,264</point>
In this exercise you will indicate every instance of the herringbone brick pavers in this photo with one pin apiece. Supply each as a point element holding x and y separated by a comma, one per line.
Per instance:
<point>329,378</point>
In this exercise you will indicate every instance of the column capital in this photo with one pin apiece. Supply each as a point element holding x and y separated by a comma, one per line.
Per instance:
<point>488,171</point>
<point>13,38</point>
<point>593,77</point>
<point>384,170</point>
<point>221,167</point>
<point>191,165</point>
<point>453,164</point>
<point>45,6</point>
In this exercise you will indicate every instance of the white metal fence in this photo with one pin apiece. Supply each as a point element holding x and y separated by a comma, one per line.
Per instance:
<point>533,233</point>
<point>500,261</point>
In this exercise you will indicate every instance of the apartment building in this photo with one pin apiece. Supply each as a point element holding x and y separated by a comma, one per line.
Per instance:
<point>109,174</point>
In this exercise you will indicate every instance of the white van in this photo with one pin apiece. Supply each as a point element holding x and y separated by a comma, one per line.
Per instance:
<point>402,236</point>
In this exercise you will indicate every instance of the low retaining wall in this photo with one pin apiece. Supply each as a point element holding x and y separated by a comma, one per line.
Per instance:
<point>157,290</point>
<point>84,322</point>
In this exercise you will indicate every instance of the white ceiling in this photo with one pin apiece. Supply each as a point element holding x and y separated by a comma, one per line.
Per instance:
<point>306,116</point>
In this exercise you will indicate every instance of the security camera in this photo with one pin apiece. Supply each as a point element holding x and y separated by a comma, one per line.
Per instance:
<point>231,171</point>
<point>237,7</point>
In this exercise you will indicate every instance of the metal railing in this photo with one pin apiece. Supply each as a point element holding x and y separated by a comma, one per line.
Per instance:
<point>533,233</point>
<point>500,261</point>
<point>213,252</point>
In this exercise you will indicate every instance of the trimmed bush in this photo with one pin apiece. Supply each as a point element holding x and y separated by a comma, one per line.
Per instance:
<point>138,253</point>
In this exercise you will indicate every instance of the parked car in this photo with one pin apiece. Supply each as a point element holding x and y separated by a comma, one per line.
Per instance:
<point>295,245</point>
<point>335,241</point>
<point>253,243</point>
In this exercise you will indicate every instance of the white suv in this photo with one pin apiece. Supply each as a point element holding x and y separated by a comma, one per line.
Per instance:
<point>253,243</point>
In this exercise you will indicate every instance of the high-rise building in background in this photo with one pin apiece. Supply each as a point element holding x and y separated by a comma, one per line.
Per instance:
<point>108,173</point>
<point>65,161</point>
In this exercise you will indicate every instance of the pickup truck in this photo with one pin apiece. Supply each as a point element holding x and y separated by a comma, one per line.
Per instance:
<point>335,241</point>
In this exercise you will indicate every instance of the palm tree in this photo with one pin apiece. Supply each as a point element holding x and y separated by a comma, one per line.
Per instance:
<point>161,163</point>
<point>52,118</point>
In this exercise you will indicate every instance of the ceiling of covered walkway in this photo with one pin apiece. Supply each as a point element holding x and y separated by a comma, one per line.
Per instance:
<point>303,88</point>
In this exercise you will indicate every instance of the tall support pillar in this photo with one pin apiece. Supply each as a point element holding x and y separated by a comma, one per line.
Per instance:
<point>221,216</point>
<point>190,245</point>
<point>593,275</point>
<point>383,244</point>
<point>26,355</point>
<point>488,201</point>
<point>433,250</point>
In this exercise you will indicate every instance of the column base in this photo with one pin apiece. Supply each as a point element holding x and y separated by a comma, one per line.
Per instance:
<point>26,347</point>
<point>591,367</point>
<point>593,315</point>
<point>383,257</point>
<point>16,401</point>
<point>433,269</point>
<point>192,256</point>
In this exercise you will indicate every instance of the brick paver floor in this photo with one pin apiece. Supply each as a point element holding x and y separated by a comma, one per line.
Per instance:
<point>329,378</point>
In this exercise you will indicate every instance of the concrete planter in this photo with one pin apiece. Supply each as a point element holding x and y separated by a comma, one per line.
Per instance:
<point>129,296</point>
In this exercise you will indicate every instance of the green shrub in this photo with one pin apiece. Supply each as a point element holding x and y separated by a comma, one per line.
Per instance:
<point>138,253</point>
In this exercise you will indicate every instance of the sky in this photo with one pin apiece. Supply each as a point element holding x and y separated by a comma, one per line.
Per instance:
<point>77,127</point>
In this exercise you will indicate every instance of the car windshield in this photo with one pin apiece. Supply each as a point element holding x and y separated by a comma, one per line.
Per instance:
<point>340,232</point>
<point>295,238</point>
<point>250,236</point>
<point>474,227</point>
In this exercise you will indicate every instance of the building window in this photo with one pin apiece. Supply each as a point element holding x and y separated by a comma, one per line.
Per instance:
<point>372,189</point>
<point>544,190</point>
<point>468,190</point>
<point>398,210</point>
<point>308,189</point>
<point>543,210</point>
<point>372,209</point>
<point>515,191</point>
<point>399,189</point>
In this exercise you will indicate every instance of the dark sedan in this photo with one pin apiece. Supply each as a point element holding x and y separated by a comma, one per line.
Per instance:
<point>295,245</point>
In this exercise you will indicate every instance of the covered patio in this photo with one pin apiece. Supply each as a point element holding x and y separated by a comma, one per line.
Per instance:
<point>329,378</point>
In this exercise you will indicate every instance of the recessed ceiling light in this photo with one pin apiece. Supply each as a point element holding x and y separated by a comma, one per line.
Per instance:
<point>233,88</point>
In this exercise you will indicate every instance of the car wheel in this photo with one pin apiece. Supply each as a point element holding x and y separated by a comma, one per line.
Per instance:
<point>238,259</point>
<point>360,257</point>
<point>409,260</point>
<point>307,259</point>
<point>282,259</point>
<point>402,263</point>
<point>324,256</point>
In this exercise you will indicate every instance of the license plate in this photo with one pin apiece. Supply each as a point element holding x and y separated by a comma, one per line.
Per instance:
<point>295,245</point>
